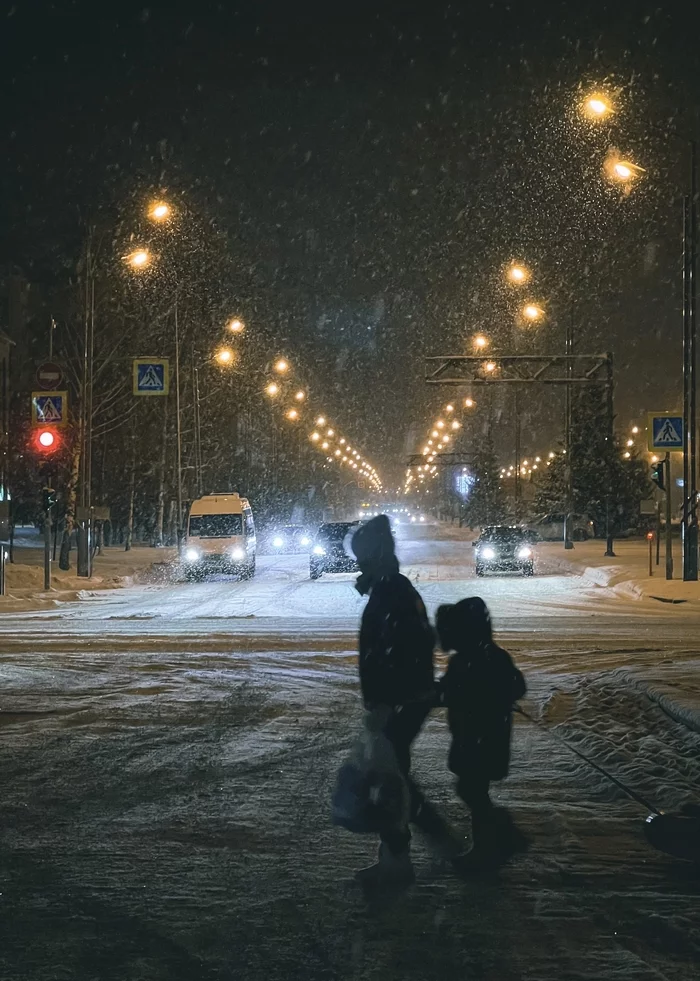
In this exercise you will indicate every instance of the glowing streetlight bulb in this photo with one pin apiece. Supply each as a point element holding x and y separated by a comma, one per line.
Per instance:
<point>518,273</point>
<point>224,355</point>
<point>635,430</point>
<point>630,442</point>
<point>532,312</point>
<point>300,396</point>
<point>321,421</point>
<point>455,425</point>
<point>281,366</point>
<point>480,342</point>
<point>324,445</point>
<point>440,424</point>
<point>627,455</point>
<point>434,433</point>
<point>138,259</point>
<point>490,366</point>
<point>236,326</point>
<point>315,437</point>
<point>272,389</point>
<point>622,171</point>
<point>292,414</point>
<point>596,106</point>
<point>338,453</point>
<point>551,455</point>
<point>330,432</point>
<point>159,211</point>
<point>469,403</point>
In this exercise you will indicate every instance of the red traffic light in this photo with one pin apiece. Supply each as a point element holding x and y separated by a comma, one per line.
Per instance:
<point>46,440</point>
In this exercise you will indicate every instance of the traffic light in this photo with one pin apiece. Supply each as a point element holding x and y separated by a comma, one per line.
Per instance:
<point>658,474</point>
<point>46,441</point>
<point>50,498</point>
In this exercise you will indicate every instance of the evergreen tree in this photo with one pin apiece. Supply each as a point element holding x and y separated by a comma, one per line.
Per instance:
<point>485,504</point>
<point>599,470</point>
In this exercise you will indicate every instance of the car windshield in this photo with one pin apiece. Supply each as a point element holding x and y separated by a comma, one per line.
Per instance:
<point>335,532</point>
<point>504,535</point>
<point>215,525</point>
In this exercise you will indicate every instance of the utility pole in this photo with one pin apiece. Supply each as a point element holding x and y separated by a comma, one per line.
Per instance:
<point>179,430</point>
<point>569,350</point>
<point>689,511</point>
<point>517,485</point>
<point>609,549</point>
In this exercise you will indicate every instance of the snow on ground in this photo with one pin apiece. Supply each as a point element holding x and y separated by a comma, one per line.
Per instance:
<point>168,753</point>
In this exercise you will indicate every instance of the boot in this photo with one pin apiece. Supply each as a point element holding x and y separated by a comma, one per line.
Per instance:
<point>495,837</point>
<point>389,871</point>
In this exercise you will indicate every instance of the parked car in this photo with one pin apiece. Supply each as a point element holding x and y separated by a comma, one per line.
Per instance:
<point>331,549</point>
<point>550,528</point>
<point>504,548</point>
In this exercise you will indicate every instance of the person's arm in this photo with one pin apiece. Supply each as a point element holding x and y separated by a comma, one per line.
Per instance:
<point>375,645</point>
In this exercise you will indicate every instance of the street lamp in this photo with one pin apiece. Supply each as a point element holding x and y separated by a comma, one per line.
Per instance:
<point>532,312</point>
<point>281,366</point>
<point>292,415</point>
<point>236,326</point>
<point>225,356</point>
<point>596,107</point>
<point>159,211</point>
<point>300,396</point>
<point>622,171</point>
<point>272,389</point>
<point>518,273</point>
<point>138,259</point>
<point>480,342</point>
<point>469,403</point>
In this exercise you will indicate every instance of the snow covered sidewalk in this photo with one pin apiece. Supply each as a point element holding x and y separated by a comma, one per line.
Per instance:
<point>627,574</point>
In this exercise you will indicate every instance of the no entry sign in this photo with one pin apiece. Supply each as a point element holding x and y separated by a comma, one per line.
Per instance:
<point>49,376</point>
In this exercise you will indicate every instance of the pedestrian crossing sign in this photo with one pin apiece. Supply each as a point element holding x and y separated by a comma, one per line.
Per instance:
<point>151,376</point>
<point>665,432</point>
<point>49,408</point>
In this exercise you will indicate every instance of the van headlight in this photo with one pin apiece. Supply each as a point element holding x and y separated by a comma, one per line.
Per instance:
<point>238,554</point>
<point>305,541</point>
<point>278,542</point>
<point>319,550</point>
<point>525,552</point>
<point>192,554</point>
<point>488,553</point>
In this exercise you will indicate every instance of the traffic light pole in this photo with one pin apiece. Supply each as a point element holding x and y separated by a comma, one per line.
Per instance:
<point>669,539</point>
<point>47,537</point>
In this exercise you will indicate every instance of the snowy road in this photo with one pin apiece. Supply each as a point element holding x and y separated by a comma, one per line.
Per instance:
<point>168,751</point>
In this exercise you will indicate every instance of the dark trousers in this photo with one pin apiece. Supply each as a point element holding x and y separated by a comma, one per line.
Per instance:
<point>402,728</point>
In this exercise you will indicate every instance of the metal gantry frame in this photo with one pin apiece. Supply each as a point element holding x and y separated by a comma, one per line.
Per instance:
<point>534,369</point>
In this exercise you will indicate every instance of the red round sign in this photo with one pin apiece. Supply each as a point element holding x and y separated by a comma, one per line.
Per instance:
<point>49,376</point>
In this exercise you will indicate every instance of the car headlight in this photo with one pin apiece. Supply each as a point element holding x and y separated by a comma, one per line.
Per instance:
<point>525,552</point>
<point>319,550</point>
<point>488,553</point>
<point>413,518</point>
<point>238,554</point>
<point>278,542</point>
<point>191,554</point>
<point>422,517</point>
<point>304,541</point>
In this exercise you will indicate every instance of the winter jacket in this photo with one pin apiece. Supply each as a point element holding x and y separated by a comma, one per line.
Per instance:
<point>479,689</point>
<point>396,645</point>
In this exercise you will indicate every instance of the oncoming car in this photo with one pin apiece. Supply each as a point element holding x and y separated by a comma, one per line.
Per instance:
<point>220,537</point>
<point>331,549</point>
<point>289,540</point>
<point>502,548</point>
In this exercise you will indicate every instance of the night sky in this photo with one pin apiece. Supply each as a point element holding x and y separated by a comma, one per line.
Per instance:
<point>376,169</point>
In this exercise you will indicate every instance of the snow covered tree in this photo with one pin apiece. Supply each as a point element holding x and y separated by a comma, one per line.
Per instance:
<point>485,503</point>
<point>595,463</point>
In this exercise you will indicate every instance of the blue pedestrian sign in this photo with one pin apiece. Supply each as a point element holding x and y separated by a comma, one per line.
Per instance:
<point>665,432</point>
<point>151,376</point>
<point>49,408</point>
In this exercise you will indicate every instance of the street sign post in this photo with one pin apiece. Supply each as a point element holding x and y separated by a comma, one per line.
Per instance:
<point>665,432</point>
<point>49,408</point>
<point>151,376</point>
<point>49,376</point>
